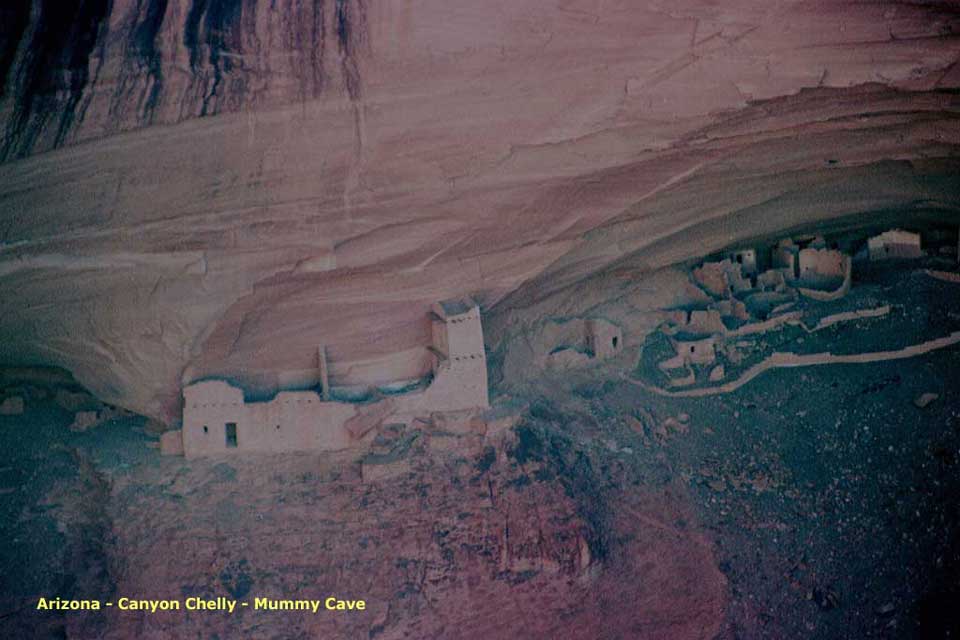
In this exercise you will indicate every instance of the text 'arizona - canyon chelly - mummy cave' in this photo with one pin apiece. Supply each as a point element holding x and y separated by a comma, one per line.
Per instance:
<point>542,319</point>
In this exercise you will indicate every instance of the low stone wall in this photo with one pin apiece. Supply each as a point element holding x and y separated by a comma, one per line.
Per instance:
<point>764,326</point>
<point>783,360</point>
<point>847,316</point>
<point>946,276</point>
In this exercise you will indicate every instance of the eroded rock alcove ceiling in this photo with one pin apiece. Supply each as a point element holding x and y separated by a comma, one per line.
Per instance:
<point>214,187</point>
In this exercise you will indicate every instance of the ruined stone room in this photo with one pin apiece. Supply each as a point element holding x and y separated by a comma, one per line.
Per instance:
<point>479,319</point>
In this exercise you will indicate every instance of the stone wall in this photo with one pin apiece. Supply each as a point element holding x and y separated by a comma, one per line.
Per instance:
<point>292,421</point>
<point>217,419</point>
<point>895,243</point>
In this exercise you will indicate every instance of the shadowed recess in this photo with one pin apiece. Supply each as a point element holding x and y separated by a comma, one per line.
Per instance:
<point>13,22</point>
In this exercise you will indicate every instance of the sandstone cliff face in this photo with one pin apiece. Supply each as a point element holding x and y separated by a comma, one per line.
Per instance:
<point>199,187</point>
<point>77,69</point>
<point>543,542</point>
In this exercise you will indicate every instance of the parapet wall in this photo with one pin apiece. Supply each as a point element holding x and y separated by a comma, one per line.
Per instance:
<point>458,385</point>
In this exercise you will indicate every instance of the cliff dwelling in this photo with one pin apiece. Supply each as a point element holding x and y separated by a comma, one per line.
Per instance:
<point>218,419</point>
<point>572,320</point>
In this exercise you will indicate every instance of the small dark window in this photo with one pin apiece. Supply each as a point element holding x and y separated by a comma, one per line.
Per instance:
<point>692,349</point>
<point>231,434</point>
<point>739,259</point>
<point>206,429</point>
<point>278,427</point>
<point>614,342</point>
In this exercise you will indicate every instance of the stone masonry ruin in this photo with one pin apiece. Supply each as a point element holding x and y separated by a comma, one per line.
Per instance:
<point>217,418</point>
<point>752,291</point>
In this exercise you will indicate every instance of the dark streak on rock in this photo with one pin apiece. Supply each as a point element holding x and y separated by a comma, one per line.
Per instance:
<point>318,45</point>
<point>51,53</point>
<point>143,42</point>
<point>54,71</point>
<point>14,18</point>
<point>191,32</point>
<point>350,26</point>
<point>140,81</point>
<point>215,27</point>
<point>343,27</point>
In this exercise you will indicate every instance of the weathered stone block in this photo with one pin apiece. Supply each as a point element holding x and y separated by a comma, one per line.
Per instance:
<point>171,443</point>
<point>12,406</point>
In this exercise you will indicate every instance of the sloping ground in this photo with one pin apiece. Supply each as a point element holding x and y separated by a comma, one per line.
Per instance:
<point>829,495</point>
<point>55,521</point>
<point>541,536</point>
<point>234,183</point>
<point>827,491</point>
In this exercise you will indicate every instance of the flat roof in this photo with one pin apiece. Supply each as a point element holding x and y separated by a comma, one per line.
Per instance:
<point>457,306</point>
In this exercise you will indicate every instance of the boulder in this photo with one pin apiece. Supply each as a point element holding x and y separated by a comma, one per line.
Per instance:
<point>925,399</point>
<point>368,417</point>
<point>375,470</point>
<point>452,443</point>
<point>12,406</point>
<point>84,420</point>
<point>459,422</point>
<point>568,358</point>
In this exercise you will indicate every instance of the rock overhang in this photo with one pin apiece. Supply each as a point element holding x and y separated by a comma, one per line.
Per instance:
<point>138,257</point>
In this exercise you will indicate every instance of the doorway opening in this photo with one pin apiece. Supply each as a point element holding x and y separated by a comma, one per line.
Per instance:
<point>230,434</point>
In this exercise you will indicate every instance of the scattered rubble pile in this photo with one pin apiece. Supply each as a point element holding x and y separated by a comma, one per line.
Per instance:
<point>580,342</point>
<point>21,388</point>
<point>394,446</point>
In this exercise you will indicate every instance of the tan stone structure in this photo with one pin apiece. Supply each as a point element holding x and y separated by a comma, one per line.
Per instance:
<point>83,420</point>
<point>820,290</point>
<point>746,258</point>
<point>722,279</point>
<point>171,443</point>
<point>459,362</point>
<point>217,418</point>
<point>786,260</point>
<point>604,339</point>
<point>688,352</point>
<point>789,360</point>
<point>895,243</point>
<point>772,280</point>
<point>696,322</point>
<point>821,268</point>
<point>733,309</point>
